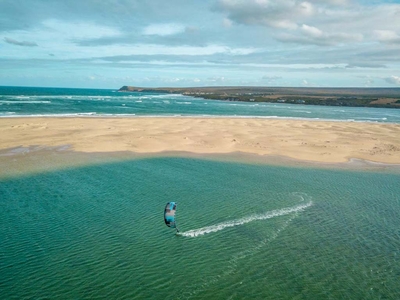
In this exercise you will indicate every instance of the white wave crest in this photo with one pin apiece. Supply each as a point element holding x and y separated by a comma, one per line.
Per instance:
<point>232,223</point>
<point>24,102</point>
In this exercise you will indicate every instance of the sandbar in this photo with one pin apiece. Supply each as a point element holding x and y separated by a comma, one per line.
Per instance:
<point>314,141</point>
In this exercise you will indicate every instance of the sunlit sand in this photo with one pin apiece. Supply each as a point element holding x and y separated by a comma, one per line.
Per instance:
<point>318,141</point>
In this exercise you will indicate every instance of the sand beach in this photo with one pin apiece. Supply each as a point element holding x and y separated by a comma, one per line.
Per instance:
<point>315,141</point>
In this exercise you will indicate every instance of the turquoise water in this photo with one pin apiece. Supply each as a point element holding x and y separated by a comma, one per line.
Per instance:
<point>247,232</point>
<point>20,101</point>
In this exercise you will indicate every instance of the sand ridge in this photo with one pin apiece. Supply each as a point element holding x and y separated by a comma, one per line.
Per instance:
<point>319,141</point>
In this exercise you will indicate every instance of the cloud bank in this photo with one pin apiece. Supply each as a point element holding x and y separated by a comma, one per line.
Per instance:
<point>234,42</point>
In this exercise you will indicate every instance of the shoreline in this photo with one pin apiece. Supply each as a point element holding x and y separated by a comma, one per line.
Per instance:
<point>28,161</point>
<point>255,139</point>
<point>93,115</point>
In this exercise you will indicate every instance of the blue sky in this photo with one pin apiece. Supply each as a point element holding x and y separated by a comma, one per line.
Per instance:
<point>107,44</point>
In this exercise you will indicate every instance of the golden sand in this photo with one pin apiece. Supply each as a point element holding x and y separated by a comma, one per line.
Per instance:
<point>319,141</point>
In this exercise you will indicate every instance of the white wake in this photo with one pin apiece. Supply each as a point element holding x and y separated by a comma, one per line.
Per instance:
<point>241,221</point>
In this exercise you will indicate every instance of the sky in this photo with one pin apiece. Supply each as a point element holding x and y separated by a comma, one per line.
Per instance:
<point>182,43</point>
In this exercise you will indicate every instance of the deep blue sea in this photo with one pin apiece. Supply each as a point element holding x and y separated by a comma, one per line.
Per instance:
<point>28,101</point>
<point>87,226</point>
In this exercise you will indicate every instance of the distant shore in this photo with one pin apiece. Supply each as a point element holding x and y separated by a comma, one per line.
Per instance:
<point>355,97</point>
<point>314,141</point>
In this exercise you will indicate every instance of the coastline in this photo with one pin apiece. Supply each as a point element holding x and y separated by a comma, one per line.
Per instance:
<point>355,97</point>
<point>93,115</point>
<point>303,140</point>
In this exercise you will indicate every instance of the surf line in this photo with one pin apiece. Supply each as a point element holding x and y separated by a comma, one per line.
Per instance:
<point>268,215</point>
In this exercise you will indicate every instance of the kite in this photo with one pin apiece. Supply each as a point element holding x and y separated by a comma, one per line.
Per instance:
<point>169,215</point>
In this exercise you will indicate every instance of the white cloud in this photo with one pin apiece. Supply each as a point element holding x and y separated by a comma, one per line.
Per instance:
<point>333,2</point>
<point>393,80</point>
<point>308,83</point>
<point>76,30</point>
<point>271,77</point>
<point>227,23</point>
<point>313,36</point>
<point>163,29</point>
<point>369,81</point>
<point>324,22</point>
<point>311,31</point>
<point>282,24</point>
<point>276,14</point>
<point>216,79</point>
<point>387,36</point>
<point>306,8</point>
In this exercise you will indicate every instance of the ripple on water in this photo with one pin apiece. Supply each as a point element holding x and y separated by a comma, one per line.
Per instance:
<point>260,232</point>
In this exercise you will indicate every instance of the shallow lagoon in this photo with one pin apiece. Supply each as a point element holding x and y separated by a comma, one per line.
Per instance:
<point>97,232</point>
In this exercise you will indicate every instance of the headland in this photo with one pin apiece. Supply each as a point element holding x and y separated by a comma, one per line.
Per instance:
<point>366,97</point>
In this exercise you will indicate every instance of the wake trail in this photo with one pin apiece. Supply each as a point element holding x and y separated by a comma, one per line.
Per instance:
<point>268,215</point>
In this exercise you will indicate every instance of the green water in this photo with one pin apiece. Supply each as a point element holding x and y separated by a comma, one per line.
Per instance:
<point>248,232</point>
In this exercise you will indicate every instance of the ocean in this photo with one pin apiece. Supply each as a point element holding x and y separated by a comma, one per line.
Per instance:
<point>247,230</point>
<point>29,101</point>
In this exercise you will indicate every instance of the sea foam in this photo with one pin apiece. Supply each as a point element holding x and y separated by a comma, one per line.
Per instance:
<point>241,221</point>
